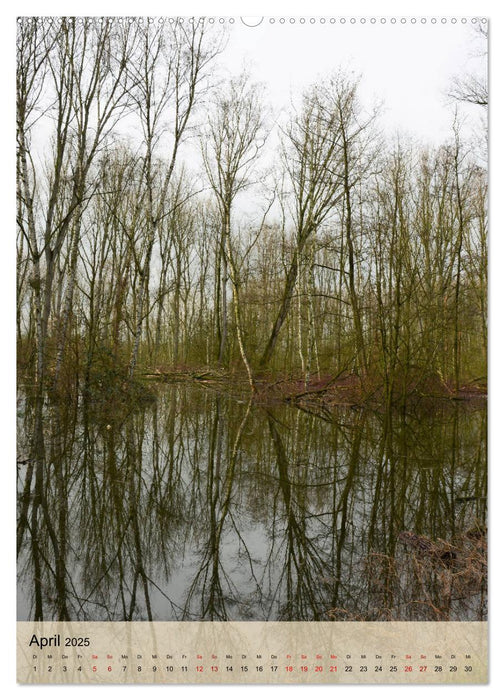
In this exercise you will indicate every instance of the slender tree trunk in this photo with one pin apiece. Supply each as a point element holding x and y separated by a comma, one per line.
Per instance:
<point>300,326</point>
<point>236,300</point>
<point>223,300</point>
<point>67,306</point>
<point>354,299</point>
<point>35,280</point>
<point>458,253</point>
<point>290,285</point>
<point>176,312</point>
<point>144,282</point>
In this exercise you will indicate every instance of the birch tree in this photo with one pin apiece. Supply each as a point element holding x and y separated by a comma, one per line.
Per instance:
<point>318,156</point>
<point>230,147</point>
<point>169,77</point>
<point>81,65</point>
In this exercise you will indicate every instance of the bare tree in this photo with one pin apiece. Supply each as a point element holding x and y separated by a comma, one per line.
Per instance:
<point>472,88</point>
<point>322,151</point>
<point>358,152</point>
<point>311,150</point>
<point>230,147</point>
<point>171,74</point>
<point>82,65</point>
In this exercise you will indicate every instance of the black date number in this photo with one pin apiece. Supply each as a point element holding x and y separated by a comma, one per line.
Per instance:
<point>76,641</point>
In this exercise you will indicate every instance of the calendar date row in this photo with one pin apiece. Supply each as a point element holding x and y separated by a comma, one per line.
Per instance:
<point>345,668</point>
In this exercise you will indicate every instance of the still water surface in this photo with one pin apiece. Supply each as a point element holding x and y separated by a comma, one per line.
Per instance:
<point>200,506</point>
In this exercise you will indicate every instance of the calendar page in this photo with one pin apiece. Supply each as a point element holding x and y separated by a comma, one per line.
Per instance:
<point>251,328</point>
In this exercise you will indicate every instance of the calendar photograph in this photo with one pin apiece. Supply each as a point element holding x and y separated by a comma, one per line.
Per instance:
<point>251,326</point>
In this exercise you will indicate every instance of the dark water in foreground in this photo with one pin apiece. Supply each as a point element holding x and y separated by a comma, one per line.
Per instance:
<point>199,506</point>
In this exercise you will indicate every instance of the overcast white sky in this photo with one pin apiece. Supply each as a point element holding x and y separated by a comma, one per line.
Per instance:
<point>406,66</point>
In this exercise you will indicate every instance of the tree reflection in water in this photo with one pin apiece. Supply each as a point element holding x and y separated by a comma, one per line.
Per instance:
<point>199,506</point>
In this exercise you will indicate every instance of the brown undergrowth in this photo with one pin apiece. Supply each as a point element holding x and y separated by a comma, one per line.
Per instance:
<point>326,390</point>
<point>424,579</point>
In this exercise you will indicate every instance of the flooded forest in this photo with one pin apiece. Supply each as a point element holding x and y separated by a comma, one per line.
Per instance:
<point>251,343</point>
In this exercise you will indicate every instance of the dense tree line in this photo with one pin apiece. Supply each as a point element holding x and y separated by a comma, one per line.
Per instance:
<point>364,253</point>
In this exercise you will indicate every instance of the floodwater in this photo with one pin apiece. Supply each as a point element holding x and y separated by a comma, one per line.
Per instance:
<point>201,506</point>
